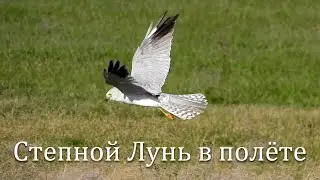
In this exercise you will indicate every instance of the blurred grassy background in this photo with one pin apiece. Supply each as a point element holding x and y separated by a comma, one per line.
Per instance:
<point>262,53</point>
<point>240,52</point>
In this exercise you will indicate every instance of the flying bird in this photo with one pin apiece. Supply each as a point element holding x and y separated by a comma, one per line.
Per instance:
<point>150,66</point>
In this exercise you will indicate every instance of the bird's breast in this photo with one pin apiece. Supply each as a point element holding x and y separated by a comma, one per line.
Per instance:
<point>146,100</point>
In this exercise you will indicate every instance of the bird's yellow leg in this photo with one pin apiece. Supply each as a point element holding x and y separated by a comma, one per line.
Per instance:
<point>168,115</point>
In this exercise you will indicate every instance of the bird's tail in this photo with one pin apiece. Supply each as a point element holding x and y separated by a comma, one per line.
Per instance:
<point>185,106</point>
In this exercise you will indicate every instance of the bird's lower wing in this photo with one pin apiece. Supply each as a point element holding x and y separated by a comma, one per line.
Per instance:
<point>118,76</point>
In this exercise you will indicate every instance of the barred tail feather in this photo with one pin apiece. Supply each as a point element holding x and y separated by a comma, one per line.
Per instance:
<point>185,106</point>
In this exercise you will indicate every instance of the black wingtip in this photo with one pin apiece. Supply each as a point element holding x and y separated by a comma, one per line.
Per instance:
<point>116,69</point>
<point>163,15</point>
<point>165,12</point>
<point>117,65</point>
<point>165,26</point>
<point>110,67</point>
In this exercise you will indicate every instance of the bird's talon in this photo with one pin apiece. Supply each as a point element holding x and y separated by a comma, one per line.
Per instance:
<point>167,114</point>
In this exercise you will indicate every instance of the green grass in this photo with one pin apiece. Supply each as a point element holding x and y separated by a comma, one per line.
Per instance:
<point>258,63</point>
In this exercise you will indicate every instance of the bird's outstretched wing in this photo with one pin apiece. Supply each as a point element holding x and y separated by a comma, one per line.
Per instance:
<point>118,76</point>
<point>151,61</point>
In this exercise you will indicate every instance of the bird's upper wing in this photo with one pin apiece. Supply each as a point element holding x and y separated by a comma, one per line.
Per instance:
<point>151,61</point>
<point>118,76</point>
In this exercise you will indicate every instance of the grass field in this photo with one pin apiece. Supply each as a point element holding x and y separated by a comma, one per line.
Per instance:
<point>258,63</point>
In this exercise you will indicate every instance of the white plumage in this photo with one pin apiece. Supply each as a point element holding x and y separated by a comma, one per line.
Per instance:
<point>150,66</point>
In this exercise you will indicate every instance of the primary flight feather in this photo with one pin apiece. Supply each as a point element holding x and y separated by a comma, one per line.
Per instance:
<point>150,66</point>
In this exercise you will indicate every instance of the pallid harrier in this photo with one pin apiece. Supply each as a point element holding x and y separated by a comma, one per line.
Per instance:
<point>150,66</point>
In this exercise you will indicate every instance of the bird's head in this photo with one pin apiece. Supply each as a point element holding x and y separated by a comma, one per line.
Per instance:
<point>114,94</point>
